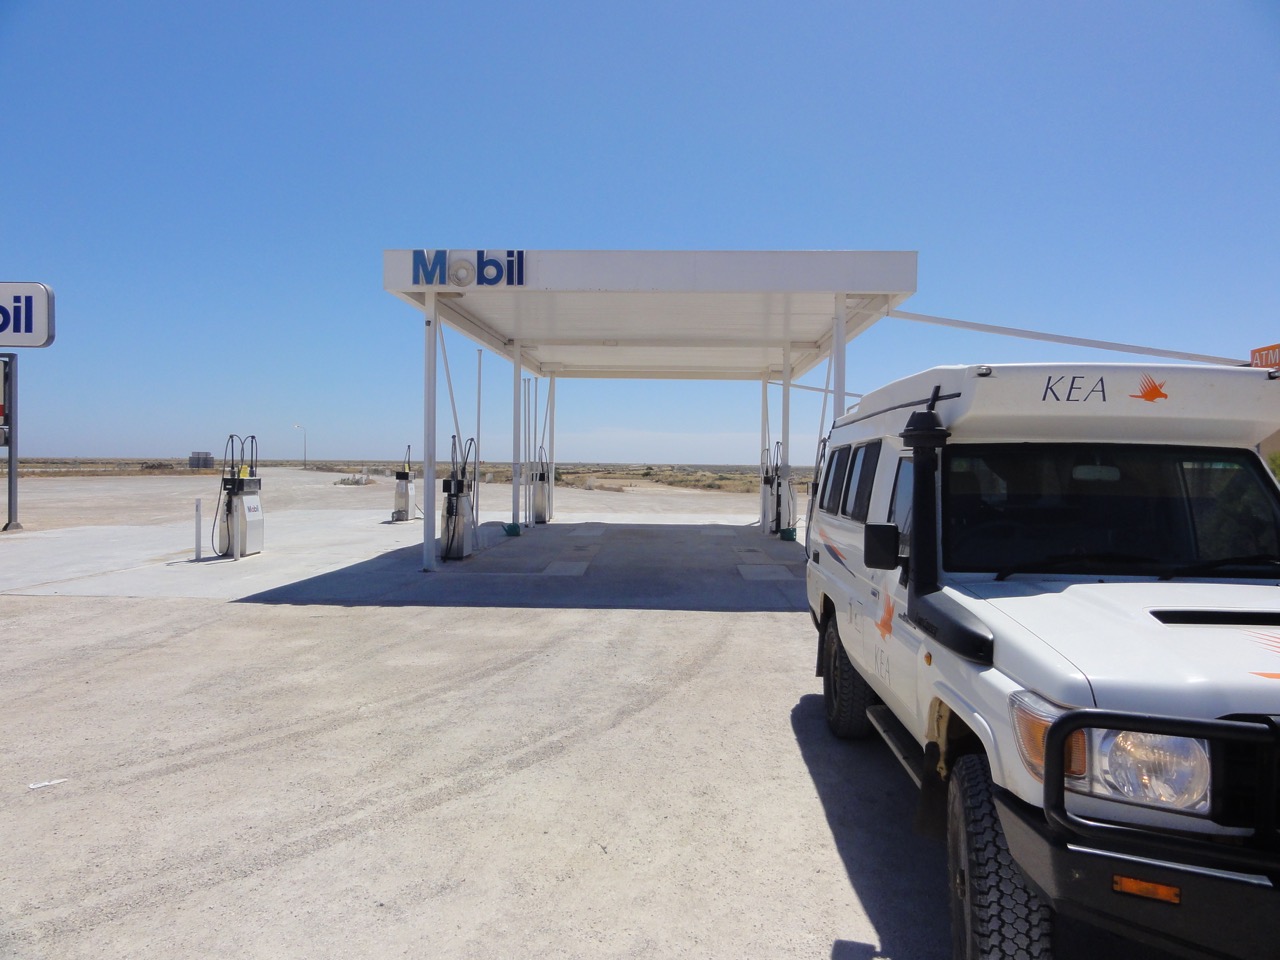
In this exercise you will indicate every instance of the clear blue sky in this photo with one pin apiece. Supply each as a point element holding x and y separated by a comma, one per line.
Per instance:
<point>209,188</point>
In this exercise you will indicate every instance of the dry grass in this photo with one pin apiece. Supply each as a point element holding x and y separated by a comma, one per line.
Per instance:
<point>610,477</point>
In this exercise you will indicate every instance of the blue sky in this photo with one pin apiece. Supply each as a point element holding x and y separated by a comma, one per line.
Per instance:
<point>209,190</point>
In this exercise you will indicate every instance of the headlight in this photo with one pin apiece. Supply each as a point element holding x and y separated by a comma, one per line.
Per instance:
<point>1150,769</point>
<point>1154,770</point>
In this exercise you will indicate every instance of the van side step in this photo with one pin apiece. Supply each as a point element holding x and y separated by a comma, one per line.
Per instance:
<point>901,742</point>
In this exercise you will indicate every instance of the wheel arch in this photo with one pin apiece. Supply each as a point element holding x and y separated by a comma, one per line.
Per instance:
<point>949,735</point>
<point>827,611</point>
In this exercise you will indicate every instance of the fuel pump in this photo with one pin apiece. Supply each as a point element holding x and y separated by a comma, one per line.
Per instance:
<point>777,495</point>
<point>404,506</point>
<point>238,523</point>
<point>457,524</point>
<point>770,487</point>
<point>541,488</point>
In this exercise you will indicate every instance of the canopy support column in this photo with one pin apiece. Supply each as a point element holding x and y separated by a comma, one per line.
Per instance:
<point>430,348</point>
<point>784,465</point>
<point>551,448</point>
<point>838,352</point>
<point>764,453</point>
<point>516,422</point>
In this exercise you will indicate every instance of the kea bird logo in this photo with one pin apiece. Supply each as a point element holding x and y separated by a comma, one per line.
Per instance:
<point>1149,390</point>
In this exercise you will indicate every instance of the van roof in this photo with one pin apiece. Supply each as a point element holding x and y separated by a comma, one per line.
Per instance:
<point>1145,403</point>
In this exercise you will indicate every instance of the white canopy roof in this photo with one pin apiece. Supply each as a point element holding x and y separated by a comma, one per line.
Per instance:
<point>701,315</point>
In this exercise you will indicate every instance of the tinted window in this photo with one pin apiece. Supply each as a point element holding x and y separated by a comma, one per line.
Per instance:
<point>858,500</point>
<point>1108,508</point>
<point>833,484</point>
<point>900,507</point>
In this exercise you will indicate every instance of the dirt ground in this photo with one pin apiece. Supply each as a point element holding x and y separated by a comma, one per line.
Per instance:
<point>188,777</point>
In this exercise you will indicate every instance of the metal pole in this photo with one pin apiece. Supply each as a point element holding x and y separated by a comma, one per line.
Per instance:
<point>764,452</point>
<point>536,448</point>
<point>431,338</point>
<point>838,358</point>
<point>526,472</point>
<point>475,487</point>
<point>198,525</point>
<point>515,434</point>
<point>551,450</point>
<point>784,468</point>
<point>11,416</point>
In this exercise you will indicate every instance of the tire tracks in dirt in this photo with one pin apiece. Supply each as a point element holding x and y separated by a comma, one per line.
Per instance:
<point>88,906</point>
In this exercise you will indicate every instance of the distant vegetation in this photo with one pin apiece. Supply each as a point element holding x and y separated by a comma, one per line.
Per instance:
<point>595,476</point>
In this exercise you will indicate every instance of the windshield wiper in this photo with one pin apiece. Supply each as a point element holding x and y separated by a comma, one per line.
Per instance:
<point>1059,560</point>
<point>1209,566</point>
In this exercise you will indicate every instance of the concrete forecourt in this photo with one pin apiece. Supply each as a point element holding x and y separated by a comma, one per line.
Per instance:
<point>602,738</point>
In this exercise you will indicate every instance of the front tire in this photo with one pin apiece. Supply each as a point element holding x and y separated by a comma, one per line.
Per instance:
<point>845,694</point>
<point>994,912</point>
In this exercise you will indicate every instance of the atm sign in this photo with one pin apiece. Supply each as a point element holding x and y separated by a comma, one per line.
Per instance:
<point>1265,356</point>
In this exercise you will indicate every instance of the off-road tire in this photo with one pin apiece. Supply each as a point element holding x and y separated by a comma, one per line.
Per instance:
<point>995,915</point>
<point>845,694</point>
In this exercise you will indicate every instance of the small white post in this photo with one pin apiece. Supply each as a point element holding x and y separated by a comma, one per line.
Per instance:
<point>198,525</point>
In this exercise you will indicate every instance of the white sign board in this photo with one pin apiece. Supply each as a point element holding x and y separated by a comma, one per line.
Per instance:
<point>26,315</point>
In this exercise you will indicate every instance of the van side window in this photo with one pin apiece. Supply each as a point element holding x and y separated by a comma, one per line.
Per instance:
<point>900,505</point>
<point>833,484</point>
<point>857,501</point>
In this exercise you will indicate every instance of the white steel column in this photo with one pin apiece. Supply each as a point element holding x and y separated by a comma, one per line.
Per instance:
<point>784,470</point>
<point>764,451</point>
<point>475,485</point>
<point>432,336</point>
<point>516,387</point>
<point>551,448</point>
<point>837,359</point>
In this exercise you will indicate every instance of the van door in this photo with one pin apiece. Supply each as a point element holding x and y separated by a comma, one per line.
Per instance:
<point>863,591</point>
<point>896,642</point>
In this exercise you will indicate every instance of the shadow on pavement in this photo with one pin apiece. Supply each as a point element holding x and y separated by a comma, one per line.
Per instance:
<point>899,876</point>
<point>704,567</point>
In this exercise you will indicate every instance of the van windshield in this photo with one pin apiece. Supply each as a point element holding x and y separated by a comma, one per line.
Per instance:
<point>1121,509</point>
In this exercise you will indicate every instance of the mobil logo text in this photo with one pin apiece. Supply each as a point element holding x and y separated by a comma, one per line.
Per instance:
<point>487,269</point>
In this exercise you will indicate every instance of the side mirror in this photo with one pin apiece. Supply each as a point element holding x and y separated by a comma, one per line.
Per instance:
<point>880,546</point>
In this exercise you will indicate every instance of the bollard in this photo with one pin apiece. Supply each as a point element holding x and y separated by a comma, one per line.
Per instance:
<point>198,529</point>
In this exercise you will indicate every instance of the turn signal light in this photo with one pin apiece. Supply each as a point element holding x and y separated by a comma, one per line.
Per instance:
<point>1145,888</point>
<point>1032,716</point>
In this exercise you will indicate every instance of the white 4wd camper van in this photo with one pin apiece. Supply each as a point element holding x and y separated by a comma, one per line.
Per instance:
<point>1055,591</point>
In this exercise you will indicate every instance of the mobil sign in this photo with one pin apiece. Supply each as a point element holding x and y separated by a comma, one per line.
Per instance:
<point>26,315</point>
<point>448,269</point>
